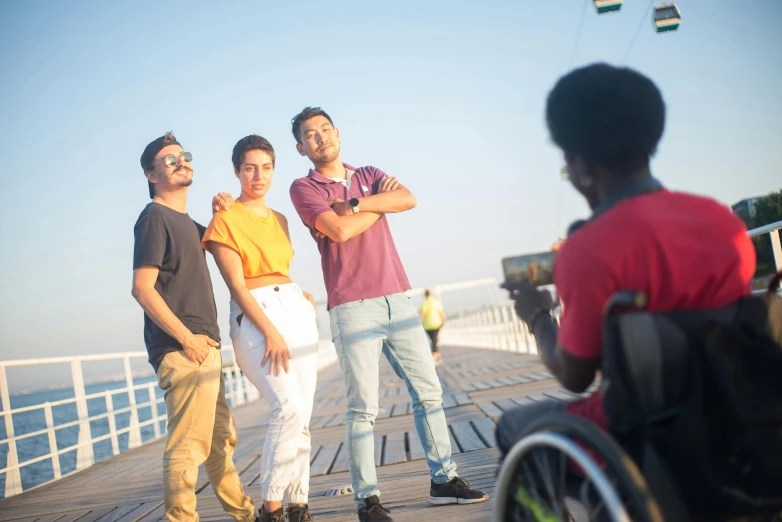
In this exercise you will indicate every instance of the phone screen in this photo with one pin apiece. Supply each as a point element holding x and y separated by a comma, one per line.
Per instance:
<point>535,269</point>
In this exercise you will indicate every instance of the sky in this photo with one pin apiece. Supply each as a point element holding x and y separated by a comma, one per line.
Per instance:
<point>447,96</point>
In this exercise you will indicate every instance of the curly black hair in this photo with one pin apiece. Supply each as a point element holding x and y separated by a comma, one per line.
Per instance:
<point>608,115</point>
<point>248,143</point>
<point>306,114</point>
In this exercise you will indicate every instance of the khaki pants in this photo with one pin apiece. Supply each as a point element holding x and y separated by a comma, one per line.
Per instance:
<point>200,430</point>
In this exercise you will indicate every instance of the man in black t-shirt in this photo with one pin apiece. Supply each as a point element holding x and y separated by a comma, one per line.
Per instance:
<point>171,283</point>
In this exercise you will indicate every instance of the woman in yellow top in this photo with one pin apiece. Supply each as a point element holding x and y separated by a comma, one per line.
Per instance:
<point>273,328</point>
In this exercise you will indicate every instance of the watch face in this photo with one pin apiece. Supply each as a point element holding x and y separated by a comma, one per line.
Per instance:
<point>353,202</point>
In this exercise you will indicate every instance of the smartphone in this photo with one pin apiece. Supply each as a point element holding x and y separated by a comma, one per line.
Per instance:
<point>535,269</point>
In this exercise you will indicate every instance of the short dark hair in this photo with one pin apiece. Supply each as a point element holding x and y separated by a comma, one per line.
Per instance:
<point>427,293</point>
<point>148,157</point>
<point>307,114</point>
<point>607,115</point>
<point>248,143</point>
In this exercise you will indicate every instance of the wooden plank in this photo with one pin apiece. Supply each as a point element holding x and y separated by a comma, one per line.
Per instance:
<point>118,513</point>
<point>505,404</point>
<point>489,409</point>
<point>462,398</point>
<point>454,447</point>
<point>336,420</point>
<point>523,401</point>
<point>466,437</point>
<point>560,395</point>
<point>539,397</point>
<point>518,379</point>
<point>50,518</point>
<point>319,421</point>
<point>395,448</point>
<point>322,463</point>
<point>97,514</point>
<point>399,408</point>
<point>378,449</point>
<point>416,449</point>
<point>486,429</point>
<point>341,462</point>
<point>137,513</point>
<point>155,515</point>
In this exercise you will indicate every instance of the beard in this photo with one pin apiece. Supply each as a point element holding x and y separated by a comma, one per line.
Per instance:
<point>328,155</point>
<point>183,182</point>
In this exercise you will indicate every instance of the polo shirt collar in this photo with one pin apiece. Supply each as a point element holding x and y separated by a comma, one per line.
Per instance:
<point>320,178</point>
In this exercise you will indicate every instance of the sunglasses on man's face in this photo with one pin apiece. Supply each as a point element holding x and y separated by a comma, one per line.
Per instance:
<point>171,160</point>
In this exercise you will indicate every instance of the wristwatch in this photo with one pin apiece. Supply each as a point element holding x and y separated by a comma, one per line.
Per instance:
<point>353,202</point>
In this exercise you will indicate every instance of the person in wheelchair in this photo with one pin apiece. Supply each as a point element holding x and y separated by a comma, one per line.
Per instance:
<point>672,250</point>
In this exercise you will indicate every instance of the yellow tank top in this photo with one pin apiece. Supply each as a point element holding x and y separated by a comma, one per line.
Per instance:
<point>261,242</point>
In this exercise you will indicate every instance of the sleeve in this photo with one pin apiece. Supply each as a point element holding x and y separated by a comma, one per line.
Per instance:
<point>377,176</point>
<point>308,202</point>
<point>219,232</point>
<point>584,284</point>
<point>151,243</point>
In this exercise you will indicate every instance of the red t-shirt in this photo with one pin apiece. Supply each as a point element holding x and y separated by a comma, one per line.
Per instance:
<point>683,251</point>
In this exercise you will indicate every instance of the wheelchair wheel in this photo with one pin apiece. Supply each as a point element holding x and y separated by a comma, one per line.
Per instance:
<point>566,469</point>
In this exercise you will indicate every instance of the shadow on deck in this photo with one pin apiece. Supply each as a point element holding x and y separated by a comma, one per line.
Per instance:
<point>478,385</point>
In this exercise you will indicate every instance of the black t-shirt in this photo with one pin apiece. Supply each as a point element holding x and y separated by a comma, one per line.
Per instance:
<point>171,241</point>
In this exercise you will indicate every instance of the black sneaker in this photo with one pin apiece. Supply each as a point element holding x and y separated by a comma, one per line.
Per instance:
<point>274,516</point>
<point>374,511</point>
<point>299,513</point>
<point>455,491</point>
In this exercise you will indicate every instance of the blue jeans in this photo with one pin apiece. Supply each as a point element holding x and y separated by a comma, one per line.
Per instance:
<point>361,331</point>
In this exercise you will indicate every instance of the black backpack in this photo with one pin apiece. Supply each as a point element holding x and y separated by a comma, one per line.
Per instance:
<point>701,392</point>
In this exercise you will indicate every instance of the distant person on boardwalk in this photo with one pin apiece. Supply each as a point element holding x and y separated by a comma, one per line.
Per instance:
<point>433,318</point>
<point>273,328</point>
<point>171,283</point>
<point>682,251</point>
<point>345,210</point>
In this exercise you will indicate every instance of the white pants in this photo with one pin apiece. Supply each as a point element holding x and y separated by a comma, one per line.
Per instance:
<point>285,466</point>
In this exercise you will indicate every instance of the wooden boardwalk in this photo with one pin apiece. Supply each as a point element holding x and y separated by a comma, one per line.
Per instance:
<point>478,386</point>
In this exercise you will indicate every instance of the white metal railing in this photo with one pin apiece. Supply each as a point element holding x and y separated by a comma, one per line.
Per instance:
<point>238,391</point>
<point>772,229</point>
<point>496,327</point>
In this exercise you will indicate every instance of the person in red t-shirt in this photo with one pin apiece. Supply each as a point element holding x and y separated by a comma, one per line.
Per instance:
<point>683,251</point>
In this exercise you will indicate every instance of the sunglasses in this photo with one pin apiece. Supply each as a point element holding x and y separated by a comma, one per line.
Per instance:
<point>299,114</point>
<point>172,159</point>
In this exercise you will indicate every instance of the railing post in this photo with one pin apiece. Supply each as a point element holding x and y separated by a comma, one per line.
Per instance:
<point>153,409</point>
<point>84,454</point>
<point>228,382</point>
<point>134,435</point>
<point>47,411</point>
<point>776,248</point>
<point>13,479</point>
<point>239,392</point>
<point>112,423</point>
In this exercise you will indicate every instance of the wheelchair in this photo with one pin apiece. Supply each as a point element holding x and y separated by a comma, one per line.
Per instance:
<point>672,452</point>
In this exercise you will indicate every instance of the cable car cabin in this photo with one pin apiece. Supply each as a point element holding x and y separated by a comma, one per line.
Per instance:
<point>607,6</point>
<point>667,18</point>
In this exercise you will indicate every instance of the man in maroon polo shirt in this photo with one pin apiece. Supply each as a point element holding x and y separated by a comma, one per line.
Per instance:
<point>683,251</point>
<point>345,209</point>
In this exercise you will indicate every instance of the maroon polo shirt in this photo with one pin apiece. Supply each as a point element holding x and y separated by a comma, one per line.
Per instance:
<point>363,267</point>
